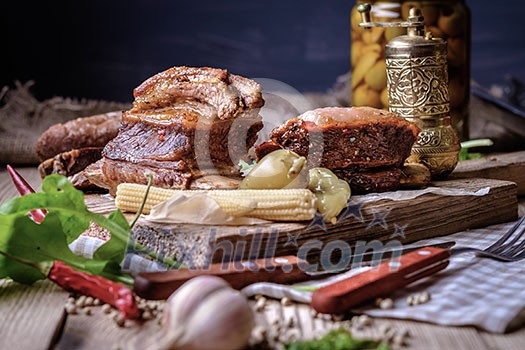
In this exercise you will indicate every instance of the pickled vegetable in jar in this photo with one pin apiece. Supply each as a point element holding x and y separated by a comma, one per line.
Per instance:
<point>446,19</point>
<point>450,20</point>
<point>367,53</point>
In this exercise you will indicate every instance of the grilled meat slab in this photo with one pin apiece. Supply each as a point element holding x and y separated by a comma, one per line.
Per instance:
<point>186,124</point>
<point>183,133</point>
<point>362,145</point>
<point>357,138</point>
<point>229,94</point>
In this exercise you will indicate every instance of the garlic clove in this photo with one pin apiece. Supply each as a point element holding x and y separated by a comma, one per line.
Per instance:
<point>222,321</point>
<point>183,302</point>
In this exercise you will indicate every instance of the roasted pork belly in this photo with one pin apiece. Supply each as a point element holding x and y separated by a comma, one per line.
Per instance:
<point>183,133</point>
<point>185,124</point>
<point>229,94</point>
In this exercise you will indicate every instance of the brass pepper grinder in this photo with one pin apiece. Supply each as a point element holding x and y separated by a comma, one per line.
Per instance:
<point>417,77</point>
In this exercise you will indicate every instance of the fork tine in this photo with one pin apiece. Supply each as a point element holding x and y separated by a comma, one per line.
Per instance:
<point>519,257</point>
<point>516,248</point>
<point>498,245</point>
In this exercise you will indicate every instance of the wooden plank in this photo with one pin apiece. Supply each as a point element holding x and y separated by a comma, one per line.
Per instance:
<point>422,335</point>
<point>433,337</point>
<point>8,190</point>
<point>100,331</point>
<point>510,341</point>
<point>31,315</point>
<point>33,311</point>
<point>37,310</point>
<point>426,216</point>
<point>508,167</point>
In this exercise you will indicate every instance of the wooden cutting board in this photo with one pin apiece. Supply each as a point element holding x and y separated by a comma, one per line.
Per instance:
<point>426,216</point>
<point>507,166</point>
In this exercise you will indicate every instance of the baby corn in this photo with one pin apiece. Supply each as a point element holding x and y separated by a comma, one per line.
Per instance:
<point>276,205</point>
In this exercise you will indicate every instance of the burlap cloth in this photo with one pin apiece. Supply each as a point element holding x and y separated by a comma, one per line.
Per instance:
<point>23,119</point>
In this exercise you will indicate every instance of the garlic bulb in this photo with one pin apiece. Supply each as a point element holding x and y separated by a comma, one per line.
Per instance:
<point>205,313</point>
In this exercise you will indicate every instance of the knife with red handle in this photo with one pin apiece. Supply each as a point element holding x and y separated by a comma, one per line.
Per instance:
<point>339,297</point>
<point>282,269</point>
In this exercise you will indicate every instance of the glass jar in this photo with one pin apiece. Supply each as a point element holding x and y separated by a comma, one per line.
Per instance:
<point>446,19</point>
<point>450,20</point>
<point>367,53</point>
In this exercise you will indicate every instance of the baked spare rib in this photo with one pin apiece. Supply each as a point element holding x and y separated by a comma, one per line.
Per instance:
<point>358,137</point>
<point>364,146</point>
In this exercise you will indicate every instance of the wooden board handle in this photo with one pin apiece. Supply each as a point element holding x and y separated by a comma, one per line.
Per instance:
<point>283,269</point>
<point>339,297</point>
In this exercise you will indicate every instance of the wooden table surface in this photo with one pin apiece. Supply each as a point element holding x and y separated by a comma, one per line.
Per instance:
<point>33,317</point>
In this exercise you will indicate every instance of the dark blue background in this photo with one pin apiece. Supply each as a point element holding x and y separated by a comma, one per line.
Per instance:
<point>102,49</point>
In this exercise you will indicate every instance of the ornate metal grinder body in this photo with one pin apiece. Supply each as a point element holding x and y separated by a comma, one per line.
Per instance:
<point>417,78</point>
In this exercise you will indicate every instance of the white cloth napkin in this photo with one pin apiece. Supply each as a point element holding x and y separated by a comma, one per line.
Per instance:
<point>471,291</point>
<point>133,263</point>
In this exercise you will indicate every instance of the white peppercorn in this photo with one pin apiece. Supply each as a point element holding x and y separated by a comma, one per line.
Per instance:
<point>81,301</point>
<point>286,301</point>
<point>260,304</point>
<point>146,315</point>
<point>424,297</point>
<point>106,308</point>
<point>365,320</point>
<point>386,304</point>
<point>71,309</point>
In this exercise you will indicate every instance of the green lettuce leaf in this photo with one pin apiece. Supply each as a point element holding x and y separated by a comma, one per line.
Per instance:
<point>43,243</point>
<point>115,248</point>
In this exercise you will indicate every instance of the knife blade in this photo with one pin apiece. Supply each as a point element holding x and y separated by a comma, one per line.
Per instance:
<point>283,270</point>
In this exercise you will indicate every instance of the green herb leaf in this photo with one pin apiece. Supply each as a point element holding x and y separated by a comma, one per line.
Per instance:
<point>58,196</point>
<point>306,288</point>
<point>115,248</point>
<point>48,241</point>
<point>466,145</point>
<point>339,339</point>
<point>246,167</point>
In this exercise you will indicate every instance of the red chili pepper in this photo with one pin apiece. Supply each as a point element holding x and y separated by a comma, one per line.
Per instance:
<point>24,188</point>
<point>113,293</point>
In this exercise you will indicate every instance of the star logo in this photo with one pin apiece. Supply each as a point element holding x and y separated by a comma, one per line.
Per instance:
<point>353,209</point>
<point>379,219</point>
<point>318,221</point>
<point>292,239</point>
<point>399,231</point>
